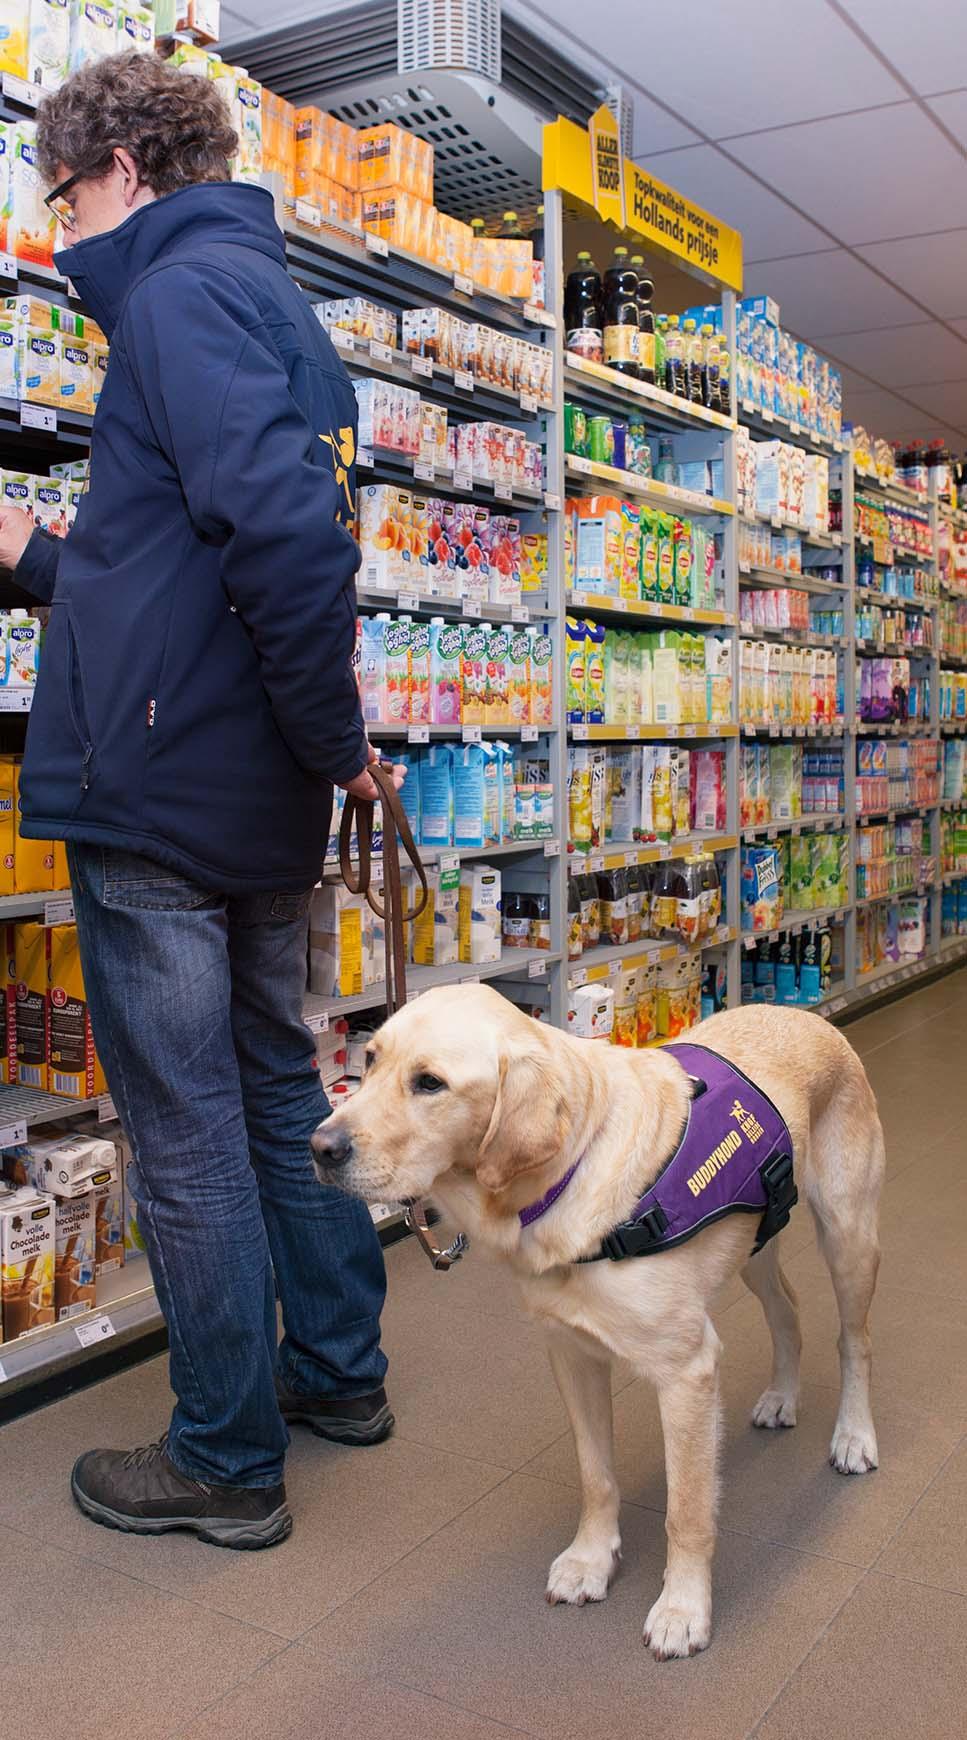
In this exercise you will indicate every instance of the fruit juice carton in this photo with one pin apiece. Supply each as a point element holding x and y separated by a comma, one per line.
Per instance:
<point>30,970</point>
<point>396,670</point>
<point>27,1246</point>
<point>616,695</point>
<point>48,50</point>
<point>473,673</point>
<point>533,561</point>
<point>624,769</point>
<point>480,902</point>
<point>446,663</point>
<point>136,30</point>
<point>93,31</point>
<point>372,674</point>
<point>76,375</point>
<point>497,692</point>
<point>542,676</point>
<point>419,673</point>
<point>667,679</point>
<point>433,435</point>
<point>383,512</point>
<point>74,1256</point>
<point>599,545</point>
<point>504,559</point>
<point>436,795</point>
<point>595,698</point>
<point>74,1067</point>
<point>50,505</point>
<point>471,534</point>
<point>576,671</point>
<point>518,678</point>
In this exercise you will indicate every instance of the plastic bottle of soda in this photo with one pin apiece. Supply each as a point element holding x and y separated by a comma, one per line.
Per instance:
<point>621,316</point>
<point>537,269</point>
<point>725,377</point>
<point>661,331</point>
<point>710,368</point>
<point>646,322</point>
<point>675,381</point>
<point>510,230</point>
<point>693,362</point>
<point>582,310</point>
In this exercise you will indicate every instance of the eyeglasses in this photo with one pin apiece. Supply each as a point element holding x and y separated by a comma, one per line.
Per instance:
<point>56,202</point>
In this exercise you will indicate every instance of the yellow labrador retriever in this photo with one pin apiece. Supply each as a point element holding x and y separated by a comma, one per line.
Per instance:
<point>494,1113</point>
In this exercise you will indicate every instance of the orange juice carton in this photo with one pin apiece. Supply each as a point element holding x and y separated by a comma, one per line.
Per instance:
<point>419,673</point>
<point>384,537</point>
<point>31,227</point>
<point>446,671</point>
<point>518,678</point>
<point>74,1256</point>
<point>433,435</point>
<point>30,969</point>
<point>27,1223</point>
<point>473,673</point>
<point>542,676</point>
<point>497,693</point>
<point>76,375</point>
<point>93,31</point>
<point>135,29</point>
<point>49,43</point>
<point>50,505</point>
<point>109,1224</point>
<point>40,353</point>
<point>75,1068</point>
<point>533,561</point>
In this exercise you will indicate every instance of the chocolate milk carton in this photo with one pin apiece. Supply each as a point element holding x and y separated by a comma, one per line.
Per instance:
<point>26,1261</point>
<point>74,1285</point>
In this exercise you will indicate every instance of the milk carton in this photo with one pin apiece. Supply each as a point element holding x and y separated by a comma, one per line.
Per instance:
<point>74,1256</point>
<point>93,31</point>
<point>23,649</point>
<point>40,354</point>
<point>31,228</point>
<point>50,505</point>
<point>109,1224</point>
<point>26,1261</point>
<point>76,375</point>
<point>342,943</point>
<point>436,933</point>
<point>480,939</point>
<point>61,1166</point>
<point>135,29</point>
<point>9,357</point>
<point>49,43</point>
<point>7,134</point>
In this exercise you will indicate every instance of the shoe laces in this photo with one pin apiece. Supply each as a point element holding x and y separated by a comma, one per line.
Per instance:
<point>147,1453</point>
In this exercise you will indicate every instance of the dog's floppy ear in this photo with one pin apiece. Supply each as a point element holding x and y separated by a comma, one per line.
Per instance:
<point>530,1120</point>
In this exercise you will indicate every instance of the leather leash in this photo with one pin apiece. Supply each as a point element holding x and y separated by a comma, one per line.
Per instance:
<point>391,910</point>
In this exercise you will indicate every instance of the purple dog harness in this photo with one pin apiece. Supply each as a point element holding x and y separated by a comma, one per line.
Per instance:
<point>734,1157</point>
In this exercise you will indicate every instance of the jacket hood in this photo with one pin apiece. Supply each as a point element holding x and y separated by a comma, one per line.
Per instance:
<point>104,268</point>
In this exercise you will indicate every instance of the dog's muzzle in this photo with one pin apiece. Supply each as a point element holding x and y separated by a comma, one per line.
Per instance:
<point>331,1147</point>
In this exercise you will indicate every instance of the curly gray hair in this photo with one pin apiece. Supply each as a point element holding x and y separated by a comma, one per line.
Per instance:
<point>175,125</point>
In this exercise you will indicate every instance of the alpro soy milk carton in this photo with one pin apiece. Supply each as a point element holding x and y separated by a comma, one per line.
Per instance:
<point>27,1232</point>
<point>9,356</point>
<point>49,43</point>
<point>93,31</point>
<point>76,374</point>
<point>31,227</point>
<point>135,29</point>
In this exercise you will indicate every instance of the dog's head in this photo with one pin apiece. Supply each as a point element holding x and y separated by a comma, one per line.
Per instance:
<point>459,1081</point>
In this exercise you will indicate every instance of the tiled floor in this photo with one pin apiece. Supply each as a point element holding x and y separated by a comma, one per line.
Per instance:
<point>409,1599</point>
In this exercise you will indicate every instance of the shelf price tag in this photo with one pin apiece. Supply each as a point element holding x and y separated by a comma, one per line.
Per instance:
<point>552,500</point>
<point>631,859</point>
<point>38,417</point>
<point>9,267</point>
<point>519,613</point>
<point>449,861</point>
<point>664,850</point>
<point>463,380</point>
<point>308,214</point>
<point>632,732</point>
<point>21,90</point>
<point>552,848</point>
<point>538,316</point>
<point>472,607</point>
<point>106,1110</point>
<point>577,979</point>
<point>60,911</point>
<point>379,351</point>
<point>418,734</point>
<point>463,480</point>
<point>536,969</point>
<point>528,733</point>
<point>424,471</point>
<point>318,1022</point>
<point>579,463</point>
<point>766,415</point>
<point>472,979</point>
<point>94,1330</point>
<point>365,457</point>
<point>342,339</point>
<point>463,283</point>
<point>579,733</point>
<point>12,1135</point>
<point>422,365</point>
<point>528,403</point>
<point>15,700</point>
<point>377,245</point>
<point>503,492</point>
<point>408,601</point>
<point>472,734</point>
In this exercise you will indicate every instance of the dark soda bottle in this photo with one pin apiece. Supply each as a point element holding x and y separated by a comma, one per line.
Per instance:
<point>582,310</point>
<point>646,322</point>
<point>693,362</point>
<point>710,368</point>
<point>621,315</point>
<point>510,230</point>
<point>537,269</point>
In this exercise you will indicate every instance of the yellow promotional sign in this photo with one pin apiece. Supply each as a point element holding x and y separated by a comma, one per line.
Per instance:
<point>607,166</point>
<point>650,209</point>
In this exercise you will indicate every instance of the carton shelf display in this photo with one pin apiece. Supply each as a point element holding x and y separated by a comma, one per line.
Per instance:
<point>518,963</point>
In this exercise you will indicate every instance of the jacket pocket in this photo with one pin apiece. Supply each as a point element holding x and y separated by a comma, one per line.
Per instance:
<point>76,704</point>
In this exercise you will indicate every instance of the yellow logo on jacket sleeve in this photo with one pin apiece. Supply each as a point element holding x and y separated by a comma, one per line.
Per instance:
<point>343,450</point>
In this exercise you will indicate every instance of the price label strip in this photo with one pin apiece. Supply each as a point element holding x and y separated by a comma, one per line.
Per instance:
<point>38,417</point>
<point>94,1330</point>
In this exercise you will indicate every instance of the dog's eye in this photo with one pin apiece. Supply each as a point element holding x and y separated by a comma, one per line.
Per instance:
<point>370,1060</point>
<point>428,1084</point>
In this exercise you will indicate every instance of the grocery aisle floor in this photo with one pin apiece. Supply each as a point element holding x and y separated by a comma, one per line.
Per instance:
<point>409,1600</point>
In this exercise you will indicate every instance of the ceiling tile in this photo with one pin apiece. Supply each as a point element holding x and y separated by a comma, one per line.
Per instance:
<point>931,268</point>
<point>720,56</point>
<point>898,355</point>
<point>832,292</point>
<point>768,226</point>
<point>888,172</point>
<point>921,45</point>
<point>655,130</point>
<point>946,400</point>
<point>952,110</point>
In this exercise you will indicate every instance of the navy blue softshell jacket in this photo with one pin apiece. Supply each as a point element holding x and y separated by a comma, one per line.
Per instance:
<point>196,697</point>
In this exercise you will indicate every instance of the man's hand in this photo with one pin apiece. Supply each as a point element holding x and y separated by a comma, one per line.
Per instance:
<point>364,786</point>
<point>16,531</point>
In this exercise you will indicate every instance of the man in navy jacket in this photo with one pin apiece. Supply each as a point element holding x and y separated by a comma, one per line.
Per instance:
<point>195,705</point>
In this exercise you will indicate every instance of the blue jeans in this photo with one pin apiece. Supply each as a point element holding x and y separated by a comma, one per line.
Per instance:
<point>196,1004</point>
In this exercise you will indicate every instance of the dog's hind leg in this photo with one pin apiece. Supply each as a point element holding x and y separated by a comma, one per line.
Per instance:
<point>843,1187</point>
<point>763,1276</point>
<point>583,1372</point>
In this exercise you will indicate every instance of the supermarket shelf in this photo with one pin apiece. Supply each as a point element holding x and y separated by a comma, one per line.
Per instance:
<point>794,922</point>
<point>950,876</point>
<point>868,818</point>
<point>592,380</point>
<point>517,963</point>
<point>917,892</point>
<point>127,1310</point>
<point>818,823</point>
<point>774,427</point>
<point>621,854</point>
<point>954,803</point>
<point>793,636</point>
<point>16,700</point>
<point>872,595</point>
<point>953,727</point>
<point>31,1106</point>
<point>795,582</point>
<point>486,398</point>
<point>600,604</point>
<point>953,945</point>
<point>402,468</point>
<point>379,732</point>
<point>867,483</point>
<point>72,429</point>
<point>896,728</point>
<point>29,905</point>
<point>904,649</point>
<point>466,855</point>
<point>819,540</point>
<point>611,958</point>
<point>660,495</point>
<point>649,733</point>
<point>428,604</point>
<point>949,663</point>
<point>834,729</point>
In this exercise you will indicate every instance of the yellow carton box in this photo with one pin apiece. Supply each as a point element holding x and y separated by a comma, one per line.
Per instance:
<point>74,1066</point>
<point>30,972</point>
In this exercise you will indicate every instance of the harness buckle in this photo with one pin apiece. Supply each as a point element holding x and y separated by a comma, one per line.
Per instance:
<point>636,1236</point>
<point>781,1197</point>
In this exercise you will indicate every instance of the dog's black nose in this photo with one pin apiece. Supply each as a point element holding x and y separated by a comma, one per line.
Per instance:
<point>332,1147</point>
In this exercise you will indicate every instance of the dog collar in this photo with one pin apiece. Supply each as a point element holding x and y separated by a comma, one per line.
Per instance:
<point>527,1216</point>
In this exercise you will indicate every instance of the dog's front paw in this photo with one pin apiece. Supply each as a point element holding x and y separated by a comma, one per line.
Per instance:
<point>773,1409</point>
<point>677,1628</point>
<point>578,1576</point>
<point>853,1449</point>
